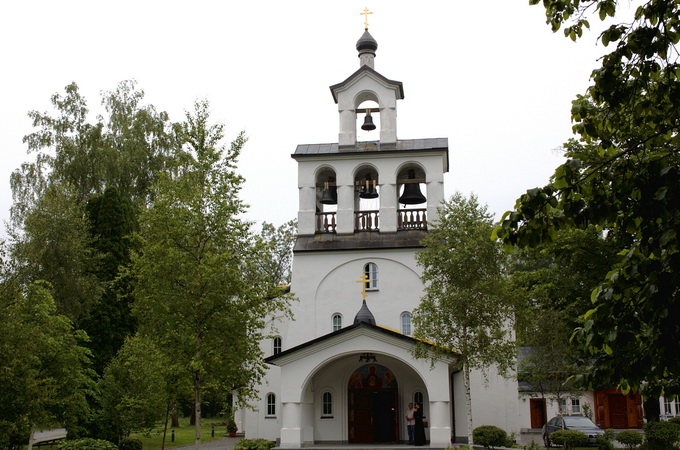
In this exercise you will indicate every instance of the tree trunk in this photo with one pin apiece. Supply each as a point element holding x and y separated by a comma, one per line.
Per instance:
<point>468,400</point>
<point>197,398</point>
<point>165,425</point>
<point>175,418</point>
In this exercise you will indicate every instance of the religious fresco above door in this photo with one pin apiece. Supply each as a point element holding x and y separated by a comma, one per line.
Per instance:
<point>372,376</point>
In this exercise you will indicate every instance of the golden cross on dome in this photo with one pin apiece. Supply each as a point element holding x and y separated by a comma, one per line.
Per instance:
<point>364,279</point>
<point>365,14</point>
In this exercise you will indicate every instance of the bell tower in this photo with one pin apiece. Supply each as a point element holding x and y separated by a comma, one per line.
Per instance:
<point>382,186</point>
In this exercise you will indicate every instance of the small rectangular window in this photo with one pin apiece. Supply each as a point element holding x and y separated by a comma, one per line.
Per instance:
<point>575,406</point>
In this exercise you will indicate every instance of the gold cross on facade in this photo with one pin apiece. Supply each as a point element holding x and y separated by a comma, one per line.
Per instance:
<point>365,14</point>
<point>364,279</point>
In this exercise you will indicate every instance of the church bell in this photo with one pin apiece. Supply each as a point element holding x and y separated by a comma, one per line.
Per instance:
<point>329,196</point>
<point>412,194</point>
<point>368,189</point>
<point>368,123</point>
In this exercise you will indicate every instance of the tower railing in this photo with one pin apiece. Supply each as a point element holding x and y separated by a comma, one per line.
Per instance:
<point>367,220</point>
<point>325,222</point>
<point>412,219</point>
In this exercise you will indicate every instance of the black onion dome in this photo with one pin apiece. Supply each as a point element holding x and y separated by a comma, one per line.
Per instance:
<point>367,43</point>
<point>364,315</point>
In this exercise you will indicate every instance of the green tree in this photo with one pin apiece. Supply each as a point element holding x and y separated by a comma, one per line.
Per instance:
<point>55,246</point>
<point>44,381</point>
<point>112,222</point>
<point>135,389</point>
<point>622,175</point>
<point>465,306</point>
<point>126,149</point>
<point>552,284</point>
<point>278,241</point>
<point>199,292</point>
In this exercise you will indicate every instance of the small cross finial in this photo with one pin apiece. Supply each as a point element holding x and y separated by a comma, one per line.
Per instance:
<point>365,14</point>
<point>364,279</point>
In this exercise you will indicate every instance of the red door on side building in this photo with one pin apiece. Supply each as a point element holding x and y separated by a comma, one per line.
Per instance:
<point>615,410</point>
<point>538,412</point>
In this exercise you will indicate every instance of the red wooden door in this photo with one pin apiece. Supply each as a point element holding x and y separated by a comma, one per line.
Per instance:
<point>618,414</point>
<point>360,416</point>
<point>538,412</point>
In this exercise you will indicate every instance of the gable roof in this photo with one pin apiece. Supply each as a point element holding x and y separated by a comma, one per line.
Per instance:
<point>398,85</point>
<point>343,334</point>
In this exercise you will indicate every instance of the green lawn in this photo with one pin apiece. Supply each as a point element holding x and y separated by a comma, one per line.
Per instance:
<point>184,435</point>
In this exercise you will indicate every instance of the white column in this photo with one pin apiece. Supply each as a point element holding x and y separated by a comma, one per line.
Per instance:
<point>345,213</point>
<point>307,211</point>
<point>440,423</point>
<point>291,430</point>
<point>388,208</point>
<point>348,127</point>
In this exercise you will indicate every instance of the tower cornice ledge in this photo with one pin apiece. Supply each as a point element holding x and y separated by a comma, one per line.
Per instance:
<point>359,241</point>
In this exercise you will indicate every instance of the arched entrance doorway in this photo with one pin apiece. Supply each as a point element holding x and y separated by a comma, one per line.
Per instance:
<point>372,405</point>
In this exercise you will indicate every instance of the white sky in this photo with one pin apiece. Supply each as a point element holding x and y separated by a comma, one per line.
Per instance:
<point>489,75</point>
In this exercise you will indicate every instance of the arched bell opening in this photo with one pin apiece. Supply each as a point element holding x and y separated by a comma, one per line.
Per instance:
<point>326,201</point>
<point>368,121</point>
<point>412,198</point>
<point>366,200</point>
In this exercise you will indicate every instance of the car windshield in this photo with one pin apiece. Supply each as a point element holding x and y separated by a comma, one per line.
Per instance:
<point>576,421</point>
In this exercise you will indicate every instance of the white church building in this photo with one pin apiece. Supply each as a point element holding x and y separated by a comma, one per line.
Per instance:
<point>342,371</point>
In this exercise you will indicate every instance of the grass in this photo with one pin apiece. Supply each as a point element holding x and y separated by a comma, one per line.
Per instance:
<point>184,435</point>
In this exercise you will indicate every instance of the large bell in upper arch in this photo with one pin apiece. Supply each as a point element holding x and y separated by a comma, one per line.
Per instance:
<point>412,194</point>
<point>368,122</point>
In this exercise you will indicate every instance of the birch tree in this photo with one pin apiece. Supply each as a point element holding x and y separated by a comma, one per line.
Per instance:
<point>464,307</point>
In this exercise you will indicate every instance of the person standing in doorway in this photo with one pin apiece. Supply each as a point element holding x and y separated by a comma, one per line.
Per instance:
<point>419,427</point>
<point>410,422</point>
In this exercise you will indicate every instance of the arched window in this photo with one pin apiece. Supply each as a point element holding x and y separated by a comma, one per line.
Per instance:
<point>271,405</point>
<point>371,272</point>
<point>327,404</point>
<point>418,397</point>
<point>336,321</point>
<point>406,323</point>
<point>277,345</point>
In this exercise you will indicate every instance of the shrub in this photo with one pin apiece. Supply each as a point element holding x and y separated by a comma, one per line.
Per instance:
<point>569,438</point>
<point>489,436</point>
<point>603,442</point>
<point>629,438</point>
<point>532,446</point>
<point>661,435</point>
<point>254,444</point>
<point>130,444</point>
<point>87,444</point>
<point>674,420</point>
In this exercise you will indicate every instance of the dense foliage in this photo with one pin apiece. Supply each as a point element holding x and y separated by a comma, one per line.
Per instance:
<point>74,220</point>
<point>44,378</point>
<point>661,435</point>
<point>552,284</point>
<point>621,175</point>
<point>199,292</point>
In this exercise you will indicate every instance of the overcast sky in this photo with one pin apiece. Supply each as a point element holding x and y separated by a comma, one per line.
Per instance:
<point>488,75</point>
